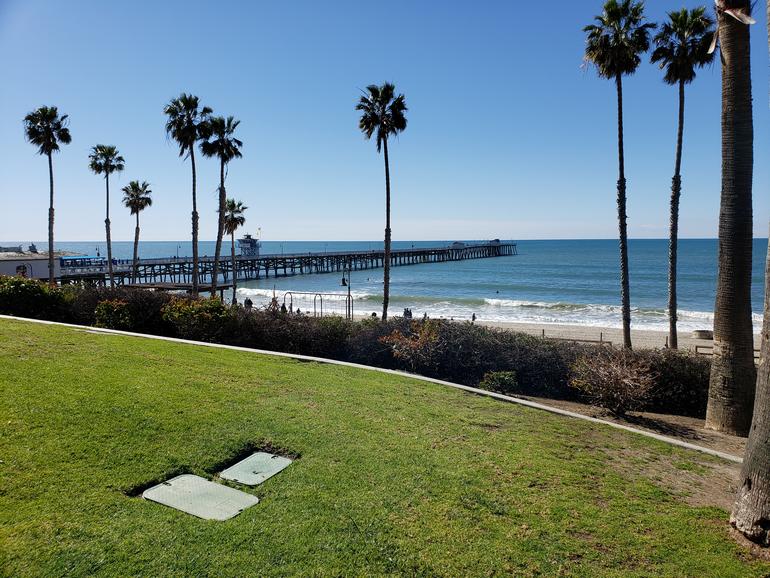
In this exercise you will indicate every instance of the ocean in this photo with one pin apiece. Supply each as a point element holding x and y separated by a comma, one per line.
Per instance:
<point>548,282</point>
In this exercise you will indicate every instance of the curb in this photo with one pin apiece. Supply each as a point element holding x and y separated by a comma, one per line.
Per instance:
<point>466,388</point>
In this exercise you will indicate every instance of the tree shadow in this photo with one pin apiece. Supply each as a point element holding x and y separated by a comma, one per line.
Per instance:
<point>664,427</point>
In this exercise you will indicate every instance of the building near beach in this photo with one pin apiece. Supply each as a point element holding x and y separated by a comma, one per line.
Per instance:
<point>29,265</point>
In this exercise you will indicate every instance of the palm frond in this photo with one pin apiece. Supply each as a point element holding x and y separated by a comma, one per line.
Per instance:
<point>45,129</point>
<point>382,111</point>
<point>615,43</point>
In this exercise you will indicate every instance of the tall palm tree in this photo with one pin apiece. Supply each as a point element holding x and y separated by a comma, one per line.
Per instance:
<point>732,383</point>
<point>45,129</point>
<point>681,46</point>
<point>383,116</point>
<point>187,124</point>
<point>233,219</point>
<point>615,45</point>
<point>136,196</point>
<point>105,160</point>
<point>222,144</point>
<point>752,506</point>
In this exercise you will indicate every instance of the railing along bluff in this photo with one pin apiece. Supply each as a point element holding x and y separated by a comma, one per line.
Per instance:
<point>179,270</point>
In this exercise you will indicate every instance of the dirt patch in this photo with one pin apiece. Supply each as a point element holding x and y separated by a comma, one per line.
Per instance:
<point>688,429</point>
<point>698,481</point>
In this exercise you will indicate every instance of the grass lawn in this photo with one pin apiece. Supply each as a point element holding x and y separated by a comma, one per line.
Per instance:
<point>395,476</point>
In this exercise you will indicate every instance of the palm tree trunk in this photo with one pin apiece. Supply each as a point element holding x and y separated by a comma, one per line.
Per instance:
<point>232,256</point>
<point>676,191</point>
<point>625,297</point>
<point>220,228</point>
<point>732,383</point>
<point>386,260</point>
<point>51,270</point>
<point>107,228</point>
<point>136,251</point>
<point>194,227</point>
<point>751,512</point>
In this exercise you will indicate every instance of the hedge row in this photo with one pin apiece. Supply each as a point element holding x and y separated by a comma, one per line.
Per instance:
<point>504,361</point>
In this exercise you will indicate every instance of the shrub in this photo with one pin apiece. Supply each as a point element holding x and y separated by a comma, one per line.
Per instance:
<point>286,332</point>
<point>682,381</point>
<point>365,345</point>
<point>199,319</point>
<point>145,307</point>
<point>31,298</point>
<point>500,381</point>
<point>465,353</point>
<point>113,314</point>
<point>617,380</point>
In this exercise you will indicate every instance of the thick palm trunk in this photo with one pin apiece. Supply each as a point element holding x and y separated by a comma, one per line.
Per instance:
<point>386,261</point>
<point>732,383</point>
<point>232,257</point>
<point>220,228</point>
<point>107,229</point>
<point>625,297</point>
<point>676,191</point>
<point>194,226</point>
<point>751,512</point>
<point>135,265</point>
<point>51,269</point>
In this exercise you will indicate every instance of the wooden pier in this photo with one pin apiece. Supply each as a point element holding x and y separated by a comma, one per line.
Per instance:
<point>179,270</point>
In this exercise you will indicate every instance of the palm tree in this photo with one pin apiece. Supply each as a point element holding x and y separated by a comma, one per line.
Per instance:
<point>222,144</point>
<point>383,114</point>
<point>105,160</point>
<point>45,129</point>
<point>752,506</point>
<point>187,124</point>
<point>615,45</point>
<point>233,219</point>
<point>682,46</point>
<point>136,196</point>
<point>732,383</point>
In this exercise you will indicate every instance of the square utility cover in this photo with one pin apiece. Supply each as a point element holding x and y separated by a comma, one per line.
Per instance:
<point>255,469</point>
<point>200,497</point>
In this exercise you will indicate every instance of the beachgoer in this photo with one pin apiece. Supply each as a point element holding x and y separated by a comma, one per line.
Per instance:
<point>283,308</point>
<point>248,304</point>
<point>473,318</point>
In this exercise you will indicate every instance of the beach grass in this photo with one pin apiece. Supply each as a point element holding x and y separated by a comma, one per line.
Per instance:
<point>394,476</point>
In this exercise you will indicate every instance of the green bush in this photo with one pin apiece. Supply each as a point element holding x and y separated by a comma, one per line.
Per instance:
<point>682,381</point>
<point>113,314</point>
<point>199,319</point>
<point>31,298</point>
<point>289,333</point>
<point>501,382</point>
<point>145,307</point>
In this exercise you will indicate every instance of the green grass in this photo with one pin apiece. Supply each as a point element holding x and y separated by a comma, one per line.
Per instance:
<point>396,476</point>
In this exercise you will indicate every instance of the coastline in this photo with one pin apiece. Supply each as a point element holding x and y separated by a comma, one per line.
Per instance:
<point>642,338</point>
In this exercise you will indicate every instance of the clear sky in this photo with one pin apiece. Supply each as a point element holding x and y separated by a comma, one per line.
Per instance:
<point>508,137</point>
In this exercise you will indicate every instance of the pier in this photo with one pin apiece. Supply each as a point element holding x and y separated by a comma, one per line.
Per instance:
<point>179,270</point>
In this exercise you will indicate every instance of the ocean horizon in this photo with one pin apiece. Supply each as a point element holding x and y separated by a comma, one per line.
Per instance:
<point>574,282</point>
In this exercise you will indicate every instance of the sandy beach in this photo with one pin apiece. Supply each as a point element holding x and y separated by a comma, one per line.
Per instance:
<point>639,338</point>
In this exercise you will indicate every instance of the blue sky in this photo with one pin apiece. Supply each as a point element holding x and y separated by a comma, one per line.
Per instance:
<point>508,136</point>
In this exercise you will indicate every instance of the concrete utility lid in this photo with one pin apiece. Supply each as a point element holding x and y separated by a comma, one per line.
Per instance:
<point>255,469</point>
<point>200,497</point>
